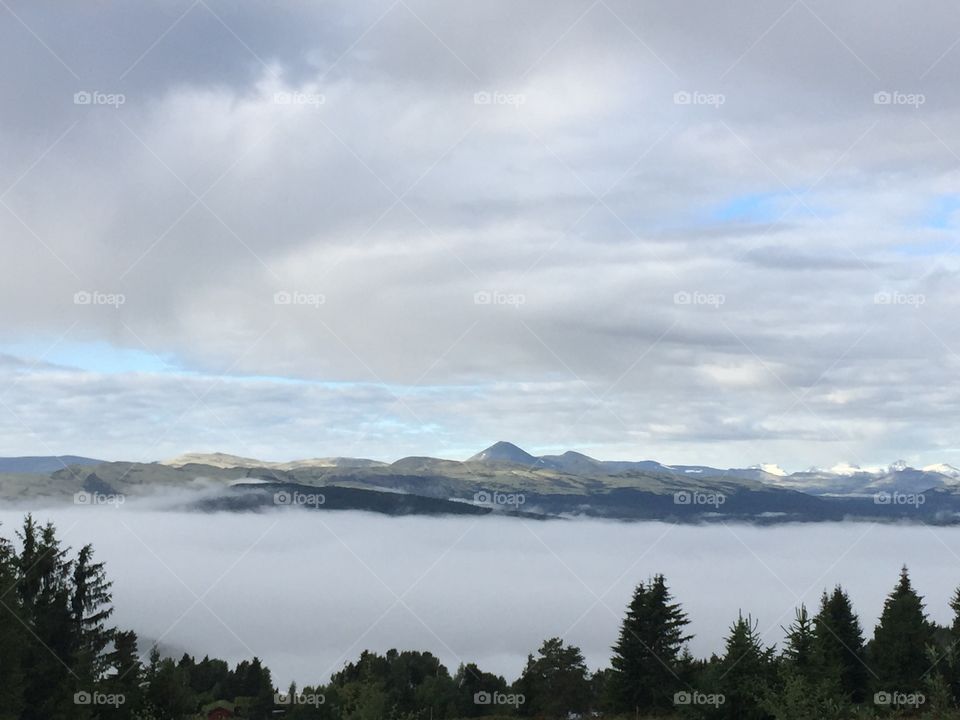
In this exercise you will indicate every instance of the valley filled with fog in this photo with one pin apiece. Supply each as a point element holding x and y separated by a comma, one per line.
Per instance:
<point>308,591</point>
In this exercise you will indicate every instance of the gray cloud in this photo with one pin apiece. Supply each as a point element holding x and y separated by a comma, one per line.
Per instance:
<point>339,152</point>
<point>488,592</point>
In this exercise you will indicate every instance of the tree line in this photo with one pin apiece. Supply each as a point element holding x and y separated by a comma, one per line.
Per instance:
<point>61,660</point>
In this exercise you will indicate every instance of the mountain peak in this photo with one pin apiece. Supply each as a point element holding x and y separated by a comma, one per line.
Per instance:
<point>770,468</point>
<point>503,451</point>
<point>943,469</point>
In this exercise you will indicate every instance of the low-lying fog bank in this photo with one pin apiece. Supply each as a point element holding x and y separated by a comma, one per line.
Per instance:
<point>307,591</point>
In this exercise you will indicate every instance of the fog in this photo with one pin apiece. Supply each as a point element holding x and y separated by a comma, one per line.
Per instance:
<point>308,591</point>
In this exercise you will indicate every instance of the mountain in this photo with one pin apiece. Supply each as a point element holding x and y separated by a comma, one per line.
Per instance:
<point>943,469</point>
<point>43,463</point>
<point>505,452</point>
<point>504,479</point>
<point>223,460</point>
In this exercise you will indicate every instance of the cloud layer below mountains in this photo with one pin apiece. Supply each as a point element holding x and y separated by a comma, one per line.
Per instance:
<point>699,233</point>
<point>309,591</point>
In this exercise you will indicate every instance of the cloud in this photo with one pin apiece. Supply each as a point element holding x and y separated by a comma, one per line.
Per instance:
<point>387,167</point>
<point>486,592</point>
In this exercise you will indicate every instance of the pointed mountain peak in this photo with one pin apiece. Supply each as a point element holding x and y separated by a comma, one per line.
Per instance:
<point>503,451</point>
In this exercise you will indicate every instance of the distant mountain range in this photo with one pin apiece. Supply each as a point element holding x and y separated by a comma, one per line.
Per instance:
<point>502,479</point>
<point>43,463</point>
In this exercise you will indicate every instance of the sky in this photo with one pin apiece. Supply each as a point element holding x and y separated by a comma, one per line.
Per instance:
<point>698,233</point>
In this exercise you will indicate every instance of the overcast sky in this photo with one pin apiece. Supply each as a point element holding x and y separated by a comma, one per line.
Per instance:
<point>703,232</point>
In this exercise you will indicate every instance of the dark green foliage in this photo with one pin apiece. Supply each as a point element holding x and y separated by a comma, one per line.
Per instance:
<point>802,691</point>
<point>746,672</point>
<point>898,653</point>
<point>838,646</point>
<point>555,683</point>
<point>12,638</point>
<point>471,682</point>
<point>645,661</point>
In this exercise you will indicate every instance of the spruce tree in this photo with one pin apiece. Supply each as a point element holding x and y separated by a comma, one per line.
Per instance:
<point>44,588</point>
<point>12,637</point>
<point>898,654</point>
<point>798,651</point>
<point>951,656</point>
<point>838,646</point>
<point>746,672</point>
<point>125,674</point>
<point>801,692</point>
<point>90,608</point>
<point>645,661</point>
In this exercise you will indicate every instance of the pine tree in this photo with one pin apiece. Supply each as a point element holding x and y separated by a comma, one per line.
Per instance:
<point>12,637</point>
<point>90,608</point>
<point>838,646</point>
<point>798,651</point>
<point>746,672</point>
<point>646,657</point>
<point>950,658</point>
<point>126,674</point>
<point>44,588</point>
<point>898,654</point>
<point>801,692</point>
